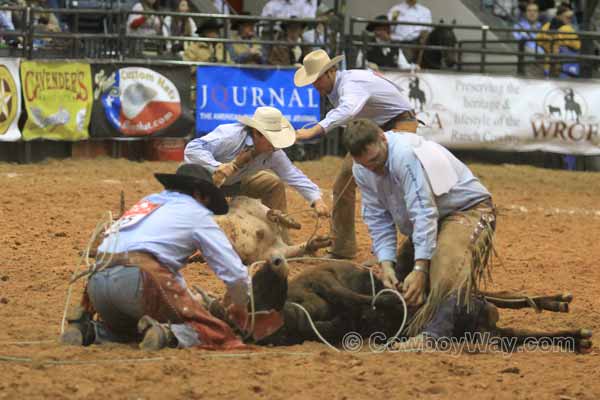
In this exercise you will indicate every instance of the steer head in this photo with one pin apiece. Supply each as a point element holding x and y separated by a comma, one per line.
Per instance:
<point>270,285</point>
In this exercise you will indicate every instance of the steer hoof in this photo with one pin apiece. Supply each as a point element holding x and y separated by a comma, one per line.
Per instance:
<point>584,346</point>
<point>567,297</point>
<point>563,307</point>
<point>585,333</point>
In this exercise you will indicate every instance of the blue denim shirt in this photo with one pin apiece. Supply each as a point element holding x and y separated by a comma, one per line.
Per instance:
<point>224,143</point>
<point>403,198</point>
<point>174,231</point>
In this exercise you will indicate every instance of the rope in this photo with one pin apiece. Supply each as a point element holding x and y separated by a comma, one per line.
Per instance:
<point>27,342</point>
<point>105,223</point>
<point>375,296</point>
<point>78,362</point>
<point>312,325</point>
<point>404,318</point>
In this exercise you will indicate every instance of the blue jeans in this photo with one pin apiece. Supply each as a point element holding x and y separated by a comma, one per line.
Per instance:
<point>117,295</point>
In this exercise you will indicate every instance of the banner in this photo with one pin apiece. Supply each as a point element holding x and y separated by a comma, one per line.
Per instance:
<point>10,100</point>
<point>135,101</point>
<point>469,111</point>
<point>58,100</point>
<point>224,93</point>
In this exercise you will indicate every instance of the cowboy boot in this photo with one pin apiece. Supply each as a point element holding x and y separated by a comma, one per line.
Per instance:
<point>157,336</point>
<point>80,329</point>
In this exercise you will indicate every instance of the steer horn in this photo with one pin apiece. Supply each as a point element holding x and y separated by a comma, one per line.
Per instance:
<point>277,217</point>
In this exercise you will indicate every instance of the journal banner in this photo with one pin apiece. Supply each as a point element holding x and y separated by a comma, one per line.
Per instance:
<point>223,93</point>
<point>469,111</point>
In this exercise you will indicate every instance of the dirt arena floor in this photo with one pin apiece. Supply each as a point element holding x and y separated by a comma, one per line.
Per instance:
<point>547,239</point>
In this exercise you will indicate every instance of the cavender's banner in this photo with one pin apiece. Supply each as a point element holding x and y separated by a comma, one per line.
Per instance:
<point>503,113</point>
<point>224,93</point>
<point>136,101</point>
<point>58,100</point>
<point>10,99</point>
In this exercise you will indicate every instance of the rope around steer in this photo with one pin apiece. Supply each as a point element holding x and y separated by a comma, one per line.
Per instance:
<point>375,296</point>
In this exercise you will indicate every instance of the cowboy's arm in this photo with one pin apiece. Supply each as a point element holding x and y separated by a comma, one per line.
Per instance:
<point>201,152</point>
<point>377,218</point>
<point>223,260</point>
<point>216,147</point>
<point>420,203</point>
<point>353,98</point>
<point>291,175</point>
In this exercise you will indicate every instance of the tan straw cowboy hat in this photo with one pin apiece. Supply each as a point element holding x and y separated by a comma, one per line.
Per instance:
<point>271,123</point>
<point>316,63</point>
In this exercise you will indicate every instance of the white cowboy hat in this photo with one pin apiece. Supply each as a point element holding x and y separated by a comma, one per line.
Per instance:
<point>135,97</point>
<point>316,63</point>
<point>271,123</point>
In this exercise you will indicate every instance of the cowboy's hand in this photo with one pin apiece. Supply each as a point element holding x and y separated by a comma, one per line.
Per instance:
<point>384,271</point>
<point>305,134</point>
<point>413,288</point>
<point>321,208</point>
<point>223,172</point>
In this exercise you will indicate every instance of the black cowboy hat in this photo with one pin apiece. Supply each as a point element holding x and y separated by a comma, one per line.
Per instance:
<point>209,25</point>
<point>286,24</point>
<point>384,22</point>
<point>235,23</point>
<point>190,177</point>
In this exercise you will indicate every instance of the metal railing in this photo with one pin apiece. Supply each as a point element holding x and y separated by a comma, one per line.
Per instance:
<point>482,48</point>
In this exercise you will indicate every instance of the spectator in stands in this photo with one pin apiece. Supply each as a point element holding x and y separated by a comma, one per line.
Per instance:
<point>306,8</point>
<point>207,52</point>
<point>245,53</point>
<point>288,55</point>
<point>45,22</point>
<point>529,22</point>
<point>287,8</point>
<point>410,11</point>
<point>566,42</point>
<point>547,10</point>
<point>317,35</point>
<point>6,24</point>
<point>179,26</point>
<point>222,6</point>
<point>147,25</point>
<point>505,9</point>
<point>387,57</point>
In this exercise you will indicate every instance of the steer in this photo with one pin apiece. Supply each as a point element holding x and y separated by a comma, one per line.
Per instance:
<point>253,230</point>
<point>338,297</point>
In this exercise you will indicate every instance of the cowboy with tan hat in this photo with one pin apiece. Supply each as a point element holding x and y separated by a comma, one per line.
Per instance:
<point>354,94</point>
<point>239,155</point>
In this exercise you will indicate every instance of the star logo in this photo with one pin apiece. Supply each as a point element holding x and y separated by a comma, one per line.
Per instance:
<point>9,97</point>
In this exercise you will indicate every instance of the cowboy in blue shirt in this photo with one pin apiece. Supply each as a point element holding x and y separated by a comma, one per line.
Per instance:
<point>139,287</point>
<point>419,188</point>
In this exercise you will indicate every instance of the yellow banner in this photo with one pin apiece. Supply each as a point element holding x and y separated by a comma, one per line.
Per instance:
<point>58,99</point>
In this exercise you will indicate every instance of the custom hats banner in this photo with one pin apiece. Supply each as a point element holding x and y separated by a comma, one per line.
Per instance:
<point>141,101</point>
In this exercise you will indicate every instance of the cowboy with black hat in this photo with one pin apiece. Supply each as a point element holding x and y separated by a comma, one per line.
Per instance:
<point>206,51</point>
<point>138,287</point>
<point>245,53</point>
<point>378,56</point>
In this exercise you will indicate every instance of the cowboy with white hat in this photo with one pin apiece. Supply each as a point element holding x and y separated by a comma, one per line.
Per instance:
<point>239,155</point>
<point>354,94</point>
<point>139,293</point>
